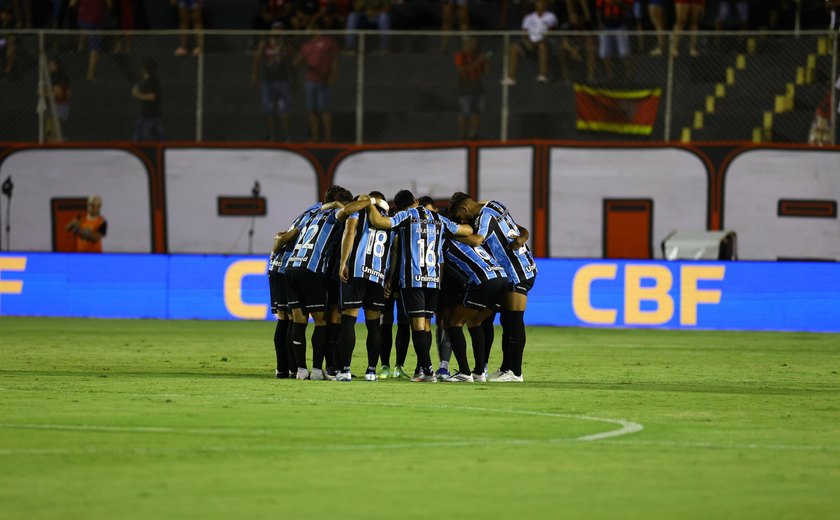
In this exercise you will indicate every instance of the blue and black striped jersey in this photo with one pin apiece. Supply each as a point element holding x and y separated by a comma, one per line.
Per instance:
<point>471,265</point>
<point>277,263</point>
<point>370,256</point>
<point>497,227</point>
<point>420,233</point>
<point>314,244</point>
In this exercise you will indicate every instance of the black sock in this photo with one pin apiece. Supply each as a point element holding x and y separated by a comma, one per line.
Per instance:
<point>422,347</point>
<point>444,344</point>
<point>517,347</point>
<point>489,335</point>
<point>299,343</point>
<point>346,341</point>
<point>281,347</point>
<point>319,346</point>
<point>385,333</point>
<point>333,330</point>
<point>477,337</point>
<point>459,348</point>
<point>403,335</point>
<point>374,341</point>
<point>507,334</point>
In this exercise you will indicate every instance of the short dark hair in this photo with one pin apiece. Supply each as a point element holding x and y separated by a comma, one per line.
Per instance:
<point>458,198</point>
<point>344,196</point>
<point>377,194</point>
<point>332,193</point>
<point>403,199</point>
<point>425,200</point>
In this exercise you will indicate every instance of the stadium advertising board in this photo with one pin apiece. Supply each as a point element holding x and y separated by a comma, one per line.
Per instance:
<point>797,296</point>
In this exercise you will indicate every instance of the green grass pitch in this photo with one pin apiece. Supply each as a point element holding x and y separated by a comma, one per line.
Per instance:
<point>156,419</point>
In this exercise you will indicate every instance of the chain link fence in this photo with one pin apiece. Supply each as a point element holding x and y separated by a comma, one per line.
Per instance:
<point>420,86</point>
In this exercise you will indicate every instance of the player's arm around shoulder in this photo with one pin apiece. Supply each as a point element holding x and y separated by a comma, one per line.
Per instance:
<point>361,203</point>
<point>347,239</point>
<point>471,240</point>
<point>380,221</point>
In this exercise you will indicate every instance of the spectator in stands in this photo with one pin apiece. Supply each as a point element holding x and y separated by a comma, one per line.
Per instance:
<point>59,18</point>
<point>148,126</point>
<point>275,57</point>
<point>582,18</point>
<point>689,13</point>
<point>60,84</point>
<point>472,67</point>
<point>335,13</point>
<point>448,12</point>
<point>7,40</point>
<point>320,56</point>
<point>23,13</point>
<point>90,229</point>
<point>271,11</point>
<point>92,16</point>
<point>612,20</point>
<point>537,24</point>
<point>307,11</point>
<point>656,12</point>
<point>369,13</point>
<point>732,12</point>
<point>189,11</point>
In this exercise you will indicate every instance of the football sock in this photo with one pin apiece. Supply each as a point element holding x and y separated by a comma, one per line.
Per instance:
<point>319,346</point>
<point>280,346</point>
<point>374,341</point>
<point>422,340</point>
<point>333,330</point>
<point>444,346</point>
<point>507,334</point>
<point>477,337</point>
<point>459,348</point>
<point>489,335</point>
<point>387,340</point>
<point>403,335</point>
<point>299,343</point>
<point>346,340</point>
<point>443,365</point>
<point>517,345</point>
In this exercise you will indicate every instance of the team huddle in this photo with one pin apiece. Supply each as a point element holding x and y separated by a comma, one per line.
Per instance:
<point>462,265</point>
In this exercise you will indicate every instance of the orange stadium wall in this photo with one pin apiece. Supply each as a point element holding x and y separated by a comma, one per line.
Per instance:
<point>580,200</point>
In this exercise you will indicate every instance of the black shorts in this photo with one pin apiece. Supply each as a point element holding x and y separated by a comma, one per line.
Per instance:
<point>488,295</point>
<point>277,289</point>
<point>333,293</point>
<point>359,292</point>
<point>419,302</point>
<point>451,291</point>
<point>306,290</point>
<point>523,286</point>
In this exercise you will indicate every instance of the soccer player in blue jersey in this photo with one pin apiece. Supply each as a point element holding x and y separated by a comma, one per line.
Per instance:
<point>506,241</point>
<point>420,235</point>
<point>365,254</point>
<point>306,279</point>
<point>480,284</point>
<point>403,335</point>
<point>280,252</point>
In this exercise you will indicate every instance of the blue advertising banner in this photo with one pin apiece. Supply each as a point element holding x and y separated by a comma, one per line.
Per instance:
<point>797,296</point>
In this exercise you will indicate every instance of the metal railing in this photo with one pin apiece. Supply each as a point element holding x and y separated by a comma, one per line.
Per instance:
<point>403,86</point>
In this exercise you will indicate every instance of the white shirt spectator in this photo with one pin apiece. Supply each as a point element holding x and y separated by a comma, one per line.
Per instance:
<point>538,25</point>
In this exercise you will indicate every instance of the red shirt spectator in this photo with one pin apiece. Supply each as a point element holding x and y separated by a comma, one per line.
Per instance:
<point>319,54</point>
<point>93,12</point>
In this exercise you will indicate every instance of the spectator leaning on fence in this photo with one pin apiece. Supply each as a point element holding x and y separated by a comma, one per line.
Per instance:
<point>612,21</point>
<point>448,11</point>
<point>275,57</point>
<point>319,54</point>
<point>689,13</point>
<point>472,67</point>
<point>92,16</point>
<point>189,11</point>
<point>537,25</point>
